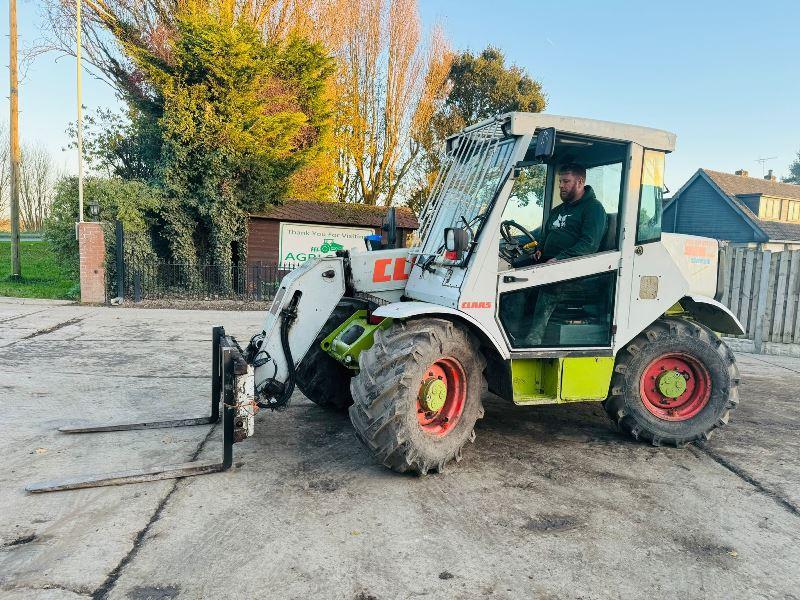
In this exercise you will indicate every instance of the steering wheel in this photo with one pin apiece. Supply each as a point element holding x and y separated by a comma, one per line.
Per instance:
<point>511,248</point>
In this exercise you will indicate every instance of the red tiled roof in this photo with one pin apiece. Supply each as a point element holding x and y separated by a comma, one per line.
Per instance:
<point>336,213</point>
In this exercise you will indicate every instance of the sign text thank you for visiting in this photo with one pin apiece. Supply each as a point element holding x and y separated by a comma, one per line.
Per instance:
<point>300,242</point>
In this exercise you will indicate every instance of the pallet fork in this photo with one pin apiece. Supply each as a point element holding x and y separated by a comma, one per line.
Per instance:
<point>231,385</point>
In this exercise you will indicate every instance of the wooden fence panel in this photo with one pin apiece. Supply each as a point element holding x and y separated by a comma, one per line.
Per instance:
<point>748,291</point>
<point>736,282</point>
<point>769,314</point>
<point>791,298</point>
<point>757,271</point>
<point>780,305</point>
<point>761,325</point>
<point>780,297</point>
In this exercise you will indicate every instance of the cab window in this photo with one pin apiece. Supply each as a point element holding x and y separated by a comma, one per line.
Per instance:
<point>535,192</point>
<point>648,228</point>
<point>526,201</point>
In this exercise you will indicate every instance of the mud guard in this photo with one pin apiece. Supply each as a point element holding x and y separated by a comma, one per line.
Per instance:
<point>407,310</point>
<point>713,314</point>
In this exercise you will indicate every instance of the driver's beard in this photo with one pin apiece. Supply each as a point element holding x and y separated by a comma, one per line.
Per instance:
<point>570,197</point>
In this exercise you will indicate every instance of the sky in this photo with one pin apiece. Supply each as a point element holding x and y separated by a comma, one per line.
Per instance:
<point>723,75</point>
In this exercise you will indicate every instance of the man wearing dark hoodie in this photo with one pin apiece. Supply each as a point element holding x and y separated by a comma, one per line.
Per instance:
<point>574,228</point>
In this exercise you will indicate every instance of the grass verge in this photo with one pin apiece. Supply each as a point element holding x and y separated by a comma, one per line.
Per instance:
<point>42,274</point>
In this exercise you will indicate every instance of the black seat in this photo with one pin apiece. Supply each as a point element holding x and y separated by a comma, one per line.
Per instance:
<point>609,241</point>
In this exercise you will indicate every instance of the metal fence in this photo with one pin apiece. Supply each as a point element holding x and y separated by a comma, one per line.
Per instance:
<point>155,280</point>
<point>763,290</point>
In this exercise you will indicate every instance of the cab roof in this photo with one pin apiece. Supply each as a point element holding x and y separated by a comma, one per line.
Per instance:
<point>524,123</point>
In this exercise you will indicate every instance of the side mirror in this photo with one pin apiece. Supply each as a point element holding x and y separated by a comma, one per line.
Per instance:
<point>390,227</point>
<point>456,241</point>
<point>545,144</point>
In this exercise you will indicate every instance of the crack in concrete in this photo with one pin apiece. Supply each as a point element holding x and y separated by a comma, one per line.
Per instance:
<point>122,376</point>
<point>55,327</point>
<point>20,541</point>
<point>36,312</point>
<point>39,332</point>
<point>47,586</point>
<point>111,579</point>
<point>776,497</point>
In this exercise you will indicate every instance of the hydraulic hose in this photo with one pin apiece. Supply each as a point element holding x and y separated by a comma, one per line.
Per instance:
<point>288,316</point>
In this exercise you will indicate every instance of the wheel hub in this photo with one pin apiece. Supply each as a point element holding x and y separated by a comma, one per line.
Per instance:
<point>442,396</point>
<point>672,384</point>
<point>432,395</point>
<point>675,386</point>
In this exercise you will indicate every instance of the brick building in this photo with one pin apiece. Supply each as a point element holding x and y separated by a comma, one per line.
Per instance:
<point>297,229</point>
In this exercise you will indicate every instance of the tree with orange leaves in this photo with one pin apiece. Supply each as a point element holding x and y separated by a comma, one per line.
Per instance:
<point>390,84</point>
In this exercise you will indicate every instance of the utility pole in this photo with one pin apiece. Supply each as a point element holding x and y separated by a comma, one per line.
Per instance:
<point>16,268</point>
<point>80,111</point>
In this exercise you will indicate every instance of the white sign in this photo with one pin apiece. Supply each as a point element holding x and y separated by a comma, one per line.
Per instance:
<point>300,242</point>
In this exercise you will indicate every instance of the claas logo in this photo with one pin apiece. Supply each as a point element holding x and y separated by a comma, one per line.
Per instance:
<point>476,305</point>
<point>390,269</point>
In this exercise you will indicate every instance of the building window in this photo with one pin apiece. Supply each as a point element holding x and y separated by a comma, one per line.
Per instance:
<point>794,211</point>
<point>772,208</point>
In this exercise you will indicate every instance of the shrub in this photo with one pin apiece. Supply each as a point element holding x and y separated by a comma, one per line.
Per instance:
<point>132,202</point>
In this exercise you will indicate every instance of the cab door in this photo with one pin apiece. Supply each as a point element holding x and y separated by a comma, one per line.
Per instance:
<point>566,307</point>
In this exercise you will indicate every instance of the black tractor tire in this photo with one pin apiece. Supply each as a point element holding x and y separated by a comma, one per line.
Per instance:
<point>324,380</point>
<point>386,389</point>
<point>671,336</point>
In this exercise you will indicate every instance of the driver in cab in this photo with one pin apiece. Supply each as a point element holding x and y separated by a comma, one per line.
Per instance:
<point>574,228</point>
<point>577,225</point>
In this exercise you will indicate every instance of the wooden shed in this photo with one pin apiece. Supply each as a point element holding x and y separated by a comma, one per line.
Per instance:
<point>299,229</point>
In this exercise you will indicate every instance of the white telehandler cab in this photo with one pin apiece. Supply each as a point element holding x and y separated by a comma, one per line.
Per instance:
<point>409,339</point>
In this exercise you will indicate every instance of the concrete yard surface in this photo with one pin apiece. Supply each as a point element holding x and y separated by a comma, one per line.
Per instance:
<point>549,502</point>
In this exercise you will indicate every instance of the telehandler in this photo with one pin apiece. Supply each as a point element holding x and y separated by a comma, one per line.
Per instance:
<point>408,339</point>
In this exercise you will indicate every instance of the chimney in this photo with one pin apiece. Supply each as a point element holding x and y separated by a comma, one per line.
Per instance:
<point>742,173</point>
<point>770,177</point>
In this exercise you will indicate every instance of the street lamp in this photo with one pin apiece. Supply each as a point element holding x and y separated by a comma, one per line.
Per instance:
<point>94,209</point>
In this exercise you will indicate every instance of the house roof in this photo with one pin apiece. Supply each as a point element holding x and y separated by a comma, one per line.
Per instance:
<point>780,231</point>
<point>731,187</point>
<point>336,213</point>
<point>736,185</point>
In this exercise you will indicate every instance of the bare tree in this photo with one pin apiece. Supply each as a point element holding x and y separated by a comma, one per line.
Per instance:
<point>37,179</point>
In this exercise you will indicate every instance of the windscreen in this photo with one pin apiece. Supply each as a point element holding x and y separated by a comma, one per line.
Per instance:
<point>466,184</point>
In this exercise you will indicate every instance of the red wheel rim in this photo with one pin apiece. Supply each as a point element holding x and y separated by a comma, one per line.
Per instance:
<point>440,421</point>
<point>666,397</point>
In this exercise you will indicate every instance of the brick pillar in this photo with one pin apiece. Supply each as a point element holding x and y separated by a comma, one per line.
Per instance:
<point>91,242</point>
